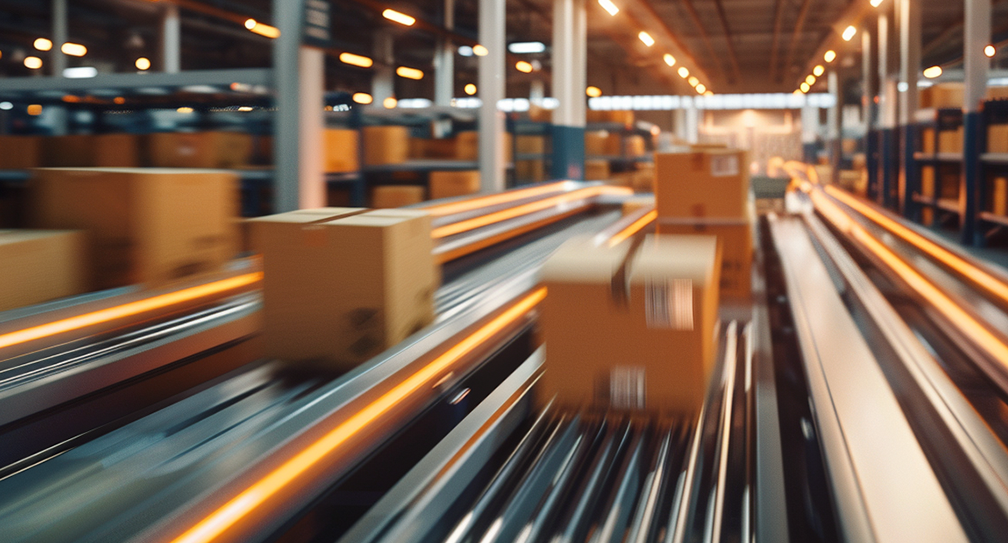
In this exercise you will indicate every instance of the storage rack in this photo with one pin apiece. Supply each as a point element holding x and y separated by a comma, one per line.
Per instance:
<point>518,126</point>
<point>988,223</point>
<point>944,209</point>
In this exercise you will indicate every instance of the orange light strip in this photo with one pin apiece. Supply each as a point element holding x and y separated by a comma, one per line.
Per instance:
<point>127,310</point>
<point>983,279</point>
<point>525,209</point>
<point>966,323</point>
<point>495,199</point>
<point>633,228</point>
<point>244,503</point>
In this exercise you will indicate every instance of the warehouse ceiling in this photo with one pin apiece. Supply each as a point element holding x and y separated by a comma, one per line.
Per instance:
<point>732,45</point>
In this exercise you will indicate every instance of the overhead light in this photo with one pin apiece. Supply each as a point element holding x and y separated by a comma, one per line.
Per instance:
<point>245,108</point>
<point>362,98</point>
<point>683,72</point>
<point>848,33</point>
<point>397,17</point>
<point>119,100</point>
<point>390,102</point>
<point>523,67</point>
<point>932,72</point>
<point>593,91</point>
<point>646,38</point>
<point>810,80</point>
<point>527,47</point>
<point>693,81</point>
<point>797,92</point>
<point>669,59</point>
<point>250,23</point>
<point>32,63</point>
<point>184,109</point>
<point>142,63</point>
<point>73,49</point>
<point>262,29</point>
<point>989,51</point>
<point>470,89</point>
<point>42,44</point>
<point>356,60</point>
<point>6,106</point>
<point>804,87</point>
<point>480,51</point>
<point>829,56</point>
<point>608,6</point>
<point>700,88</point>
<point>875,3</point>
<point>80,72</point>
<point>409,73</point>
<point>35,109</point>
<point>465,50</point>
<point>818,70</point>
<point>902,86</point>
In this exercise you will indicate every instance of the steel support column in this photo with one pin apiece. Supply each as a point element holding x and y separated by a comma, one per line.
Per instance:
<point>383,80</point>
<point>444,61</point>
<point>491,85</point>
<point>833,123</point>
<point>976,36</point>
<point>171,40</point>
<point>570,43</point>
<point>910,60</point>
<point>59,60</point>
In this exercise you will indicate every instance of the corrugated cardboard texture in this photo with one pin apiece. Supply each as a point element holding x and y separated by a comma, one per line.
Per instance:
<point>452,184</point>
<point>709,184</point>
<point>641,339</point>
<point>145,225</point>
<point>38,266</point>
<point>343,287</point>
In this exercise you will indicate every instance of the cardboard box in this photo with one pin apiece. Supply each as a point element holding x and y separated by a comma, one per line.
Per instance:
<point>927,180</point>
<point>38,266</point>
<point>596,143</point>
<point>467,146</point>
<point>647,346</point>
<point>710,146</point>
<point>702,184</point>
<point>942,95</point>
<point>340,151</point>
<point>385,145</point>
<point>848,146</point>
<point>93,151</point>
<point>145,225</point>
<point>20,152</point>
<point>999,196</point>
<point>949,180</point>
<point>209,149</point>
<point>997,138</point>
<point>342,285</point>
<point>637,202</point>
<point>859,161</point>
<point>452,184</point>
<point>644,178</point>
<point>928,141</point>
<point>530,170</point>
<point>735,241</point>
<point>391,196</point>
<point>635,145</point>
<point>596,170</point>
<point>540,114</point>
<point>950,141</point>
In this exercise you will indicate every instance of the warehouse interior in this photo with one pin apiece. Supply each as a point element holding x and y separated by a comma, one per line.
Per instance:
<point>503,270</point>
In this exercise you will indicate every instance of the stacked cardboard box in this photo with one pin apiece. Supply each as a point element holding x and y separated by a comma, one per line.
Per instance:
<point>341,284</point>
<point>997,138</point>
<point>644,344</point>
<point>144,225</point>
<point>596,143</point>
<point>390,196</point>
<point>20,152</point>
<point>950,141</point>
<point>452,184</point>
<point>340,151</point>
<point>210,149</point>
<point>624,117</point>
<point>38,266</point>
<point>596,170</point>
<point>530,170</point>
<point>708,192</point>
<point>928,142</point>
<point>942,95</point>
<point>93,150</point>
<point>635,145</point>
<point>385,145</point>
<point>999,195</point>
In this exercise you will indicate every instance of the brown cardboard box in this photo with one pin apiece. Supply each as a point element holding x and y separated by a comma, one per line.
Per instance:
<point>390,196</point>
<point>997,138</point>
<point>707,184</point>
<point>635,145</point>
<point>340,151</point>
<point>626,118</point>
<point>530,170</point>
<point>942,95</point>
<point>467,146</point>
<point>342,285</point>
<point>596,170</point>
<point>145,225</point>
<point>644,178</point>
<point>38,266</point>
<point>452,184</point>
<point>848,146</point>
<point>651,347</point>
<point>637,202</point>
<point>93,151</point>
<point>385,145</point>
<point>948,182</point>
<point>20,152</point>
<point>927,174</point>
<point>735,241</point>
<point>540,114</point>
<point>928,141</point>
<point>209,149</point>
<point>859,161</point>
<point>596,142</point>
<point>950,141</point>
<point>999,196</point>
<point>710,146</point>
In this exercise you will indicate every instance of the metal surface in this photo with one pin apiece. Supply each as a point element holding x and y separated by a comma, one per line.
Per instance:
<point>13,87</point>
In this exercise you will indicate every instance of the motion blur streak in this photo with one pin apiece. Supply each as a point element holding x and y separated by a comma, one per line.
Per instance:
<point>633,228</point>
<point>244,503</point>
<point>476,203</point>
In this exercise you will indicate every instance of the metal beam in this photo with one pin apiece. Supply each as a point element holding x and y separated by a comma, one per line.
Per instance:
<point>704,36</point>
<point>731,47</point>
<point>778,19</point>
<point>222,78</point>
<point>802,12</point>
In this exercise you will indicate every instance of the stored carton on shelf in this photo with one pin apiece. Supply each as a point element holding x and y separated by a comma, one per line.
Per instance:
<point>340,151</point>
<point>735,241</point>
<point>40,265</point>
<point>93,151</point>
<point>207,149</point>
<point>385,145</point>
<point>950,141</point>
<point>644,343</point>
<point>999,196</point>
<point>596,170</point>
<point>596,142</point>
<point>20,152</point>
<point>453,183</point>
<point>342,285</point>
<point>942,95</point>
<point>390,196</point>
<point>635,145</point>
<point>702,184</point>
<point>145,225</point>
<point>928,141</point>
<point>997,138</point>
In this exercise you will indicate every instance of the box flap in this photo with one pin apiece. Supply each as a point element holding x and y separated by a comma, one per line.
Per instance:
<point>306,216</point>
<point>690,257</point>
<point>581,261</point>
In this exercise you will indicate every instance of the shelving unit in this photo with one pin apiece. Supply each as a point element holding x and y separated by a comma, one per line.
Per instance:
<point>944,208</point>
<point>992,165</point>
<point>628,160</point>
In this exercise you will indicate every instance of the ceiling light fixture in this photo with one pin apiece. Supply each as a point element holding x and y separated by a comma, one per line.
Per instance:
<point>356,60</point>
<point>646,38</point>
<point>527,47</point>
<point>42,44</point>
<point>397,17</point>
<point>669,59</point>
<point>409,73</point>
<point>932,72</point>
<point>830,56</point>
<point>142,63</point>
<point>362,98</point>
<point>470,89</point>
<point>683,72</point>
<point>848,33</point>
<point>480,51</point>
<point>818,70</point>
<point>593,91</point>
<point>609,7</point>
<point>523,67</point>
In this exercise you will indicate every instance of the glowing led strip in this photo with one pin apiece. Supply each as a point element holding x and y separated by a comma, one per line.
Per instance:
<point>127,310</point>
<point>492,200</point>
<point>633,228</point>
<point>244,503</point>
